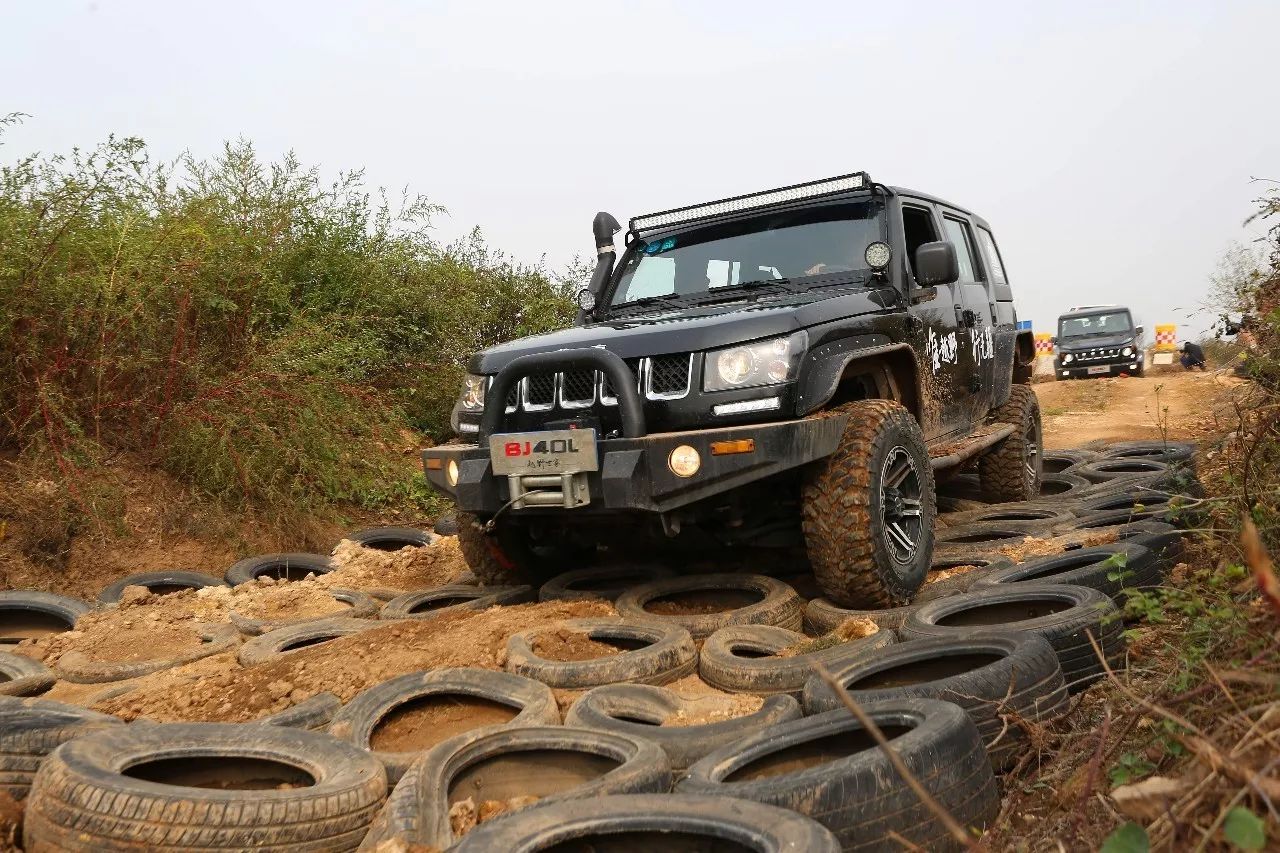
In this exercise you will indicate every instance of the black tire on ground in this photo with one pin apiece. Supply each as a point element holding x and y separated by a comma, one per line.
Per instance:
<point>27,613</point>
<point>653,822</point>
<point>1136,500</point>
<point>552,763</point>
<point>392,538</point>
<point>284,641</point>
<point>158,583</point>
<point>723,664</point>
<point>956,584</point>
<point>1107,568</point>
<point>452,598</point>
<point>843,780</point>
<point>23,676</point>
<point>105,791</point>
<point>658,653</point>
<point>639,710</point>
<point>529,703</point>
<point>822,616</point>
<point>313,713</point>
<point>606,582</point>
<point>1169,452</point>
<point>1055,486</point>
<point>1003,680</point>
<point>868,509</point>
<point>1164,541</point>
<point>1032,516</point>
<point>747,600</point>
<point>1170,513</point>
<point>1105,470</point>
<point>30,729</point>
<point>1011,470</point>
<point>360,605</point>
<point>77,667</point>
<point>446,525</point>
<point>1064,615</point>
<point>976,541</point>
<point>1057,461</point>
<point>289,567</point>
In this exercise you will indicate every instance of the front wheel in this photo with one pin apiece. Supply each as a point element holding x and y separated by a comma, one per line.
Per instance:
<point>869,510</point>
<point>1011,470</point>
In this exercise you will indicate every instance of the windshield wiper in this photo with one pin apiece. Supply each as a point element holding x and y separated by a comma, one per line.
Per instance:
<point>645,301</point>
<point>717,295</point>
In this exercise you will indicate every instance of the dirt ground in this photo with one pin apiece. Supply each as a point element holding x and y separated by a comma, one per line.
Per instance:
<point>1081,412</point>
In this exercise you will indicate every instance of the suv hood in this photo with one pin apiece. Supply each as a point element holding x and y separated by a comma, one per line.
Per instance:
<point>1105,341</point>
<point>688,330</point>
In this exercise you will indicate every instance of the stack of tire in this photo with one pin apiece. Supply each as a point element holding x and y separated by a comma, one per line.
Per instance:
<point>956,684</point>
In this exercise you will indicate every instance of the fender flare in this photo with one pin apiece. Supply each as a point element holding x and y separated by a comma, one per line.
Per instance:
<point>829,363</point>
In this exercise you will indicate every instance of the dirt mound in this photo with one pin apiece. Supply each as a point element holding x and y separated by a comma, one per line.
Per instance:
<point>942,574</point>
<point>705,704</point>
<point>410,568</point>
<point>563,644</point>
<point>267,599</point>
<point>1032,547</point>
<point>219,688</point>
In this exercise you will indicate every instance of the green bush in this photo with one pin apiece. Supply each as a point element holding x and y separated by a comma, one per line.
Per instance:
<point>257,332</point>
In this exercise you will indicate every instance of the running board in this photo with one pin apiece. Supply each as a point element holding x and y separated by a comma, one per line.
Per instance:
<point>964,450</point>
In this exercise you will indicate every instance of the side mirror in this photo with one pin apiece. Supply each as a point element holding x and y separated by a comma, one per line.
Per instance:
<point>1053,341</point>
<point>936,264</point>
<point>1137,330</point>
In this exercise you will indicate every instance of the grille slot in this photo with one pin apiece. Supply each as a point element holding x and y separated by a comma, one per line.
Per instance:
<point>668,376</point>
<point>608,395</point>
<point>577,389</point>
<point>539,392</point>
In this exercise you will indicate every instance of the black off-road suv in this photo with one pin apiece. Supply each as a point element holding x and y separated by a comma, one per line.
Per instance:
<point>1097,340</point>
<point>787,368</point>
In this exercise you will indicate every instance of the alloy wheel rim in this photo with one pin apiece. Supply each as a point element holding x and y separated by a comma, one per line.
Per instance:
<point>901,504</point>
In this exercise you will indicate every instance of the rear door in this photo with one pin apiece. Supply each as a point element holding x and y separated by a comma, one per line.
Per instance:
<point>976,313</point>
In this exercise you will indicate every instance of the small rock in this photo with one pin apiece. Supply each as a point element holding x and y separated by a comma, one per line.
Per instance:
<point>279,689</point>
<point>134,595</point>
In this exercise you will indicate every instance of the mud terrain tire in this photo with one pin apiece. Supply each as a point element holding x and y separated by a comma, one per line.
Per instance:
<point>764,673</point>
<point>1000,679</point>
<point>845,501</point>
<point>505,557</point>
<point>649,822</point>
<point>617,707</point>
<point>30,729</point>
<point>418,810</point>
<point>355,723</point>
<point>1011,470</point>
<point>82,799</point>
<point>855,792</point>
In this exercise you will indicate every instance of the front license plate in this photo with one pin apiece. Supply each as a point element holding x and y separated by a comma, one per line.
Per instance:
<point>1102,369</point>
<point>559,451</point>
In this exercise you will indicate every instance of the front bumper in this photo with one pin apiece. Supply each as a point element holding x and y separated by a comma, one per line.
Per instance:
<point>634,474</point>
<point>1094,371</point>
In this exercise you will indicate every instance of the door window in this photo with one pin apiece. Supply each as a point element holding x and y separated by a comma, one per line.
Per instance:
<point>917,228</point>
<point>958,234</point>
<point>993,256</point>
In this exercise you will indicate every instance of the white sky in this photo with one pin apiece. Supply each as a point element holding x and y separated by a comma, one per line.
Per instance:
<point>1109,144</point>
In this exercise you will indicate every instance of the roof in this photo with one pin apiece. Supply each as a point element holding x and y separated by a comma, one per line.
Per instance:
<point>1088,310</point>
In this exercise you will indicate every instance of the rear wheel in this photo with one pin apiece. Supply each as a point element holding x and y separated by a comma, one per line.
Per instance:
<point>869,510</point>
<point>1011,470</point>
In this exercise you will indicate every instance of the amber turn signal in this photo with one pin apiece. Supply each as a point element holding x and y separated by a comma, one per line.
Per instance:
<point>737,445</point>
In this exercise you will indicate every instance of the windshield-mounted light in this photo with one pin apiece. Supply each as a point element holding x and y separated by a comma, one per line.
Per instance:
<point>473,388</point>
<point>797,192</point>
<point>749,365</point>
<point>878,255</point>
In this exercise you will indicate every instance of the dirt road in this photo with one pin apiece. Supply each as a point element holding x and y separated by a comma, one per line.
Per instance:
<point>1081,411</point>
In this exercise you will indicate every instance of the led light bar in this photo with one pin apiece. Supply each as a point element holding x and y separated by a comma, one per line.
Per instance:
<point>766,404</point>
<point>798,192</point>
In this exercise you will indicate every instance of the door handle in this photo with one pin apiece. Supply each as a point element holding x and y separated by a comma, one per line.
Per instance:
<point>969,318</point>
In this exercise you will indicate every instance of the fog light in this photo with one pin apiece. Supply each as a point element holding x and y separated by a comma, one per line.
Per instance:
<point>684,461</point>
<point>452,472</point>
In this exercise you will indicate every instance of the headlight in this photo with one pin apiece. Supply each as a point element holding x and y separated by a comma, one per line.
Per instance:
<point>1067,358</point>
<point>473,388</point>
<point>763,363</point>
<point>1126,352</point>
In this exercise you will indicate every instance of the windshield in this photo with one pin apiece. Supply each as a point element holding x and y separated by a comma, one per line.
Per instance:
<point>797,246</point>
<point>1095,324</point>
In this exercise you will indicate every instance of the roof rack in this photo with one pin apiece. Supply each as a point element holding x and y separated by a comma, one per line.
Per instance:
<point>795,192</point>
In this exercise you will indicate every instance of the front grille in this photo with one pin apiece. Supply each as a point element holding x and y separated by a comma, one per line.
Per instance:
<point>1098,354</point>
<point>668,376</point>
<point>608,395</point>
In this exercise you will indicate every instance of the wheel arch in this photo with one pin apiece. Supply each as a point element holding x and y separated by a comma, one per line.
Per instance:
<point>847,372</point>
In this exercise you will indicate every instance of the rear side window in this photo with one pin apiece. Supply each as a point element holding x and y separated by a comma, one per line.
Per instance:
<point>993,256</point>
<point>958,234</point>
